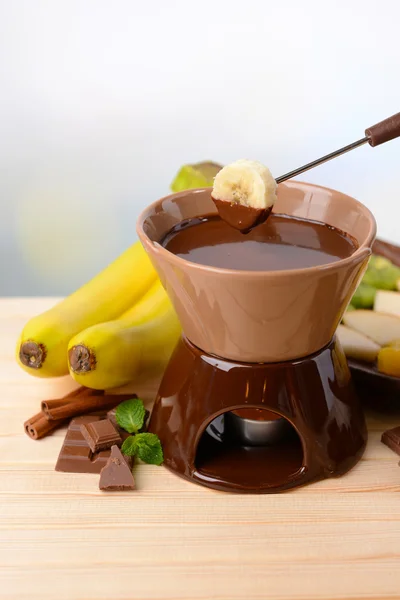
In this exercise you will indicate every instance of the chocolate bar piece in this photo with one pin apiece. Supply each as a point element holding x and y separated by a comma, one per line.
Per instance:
<point>75,455</point>
<point>100,435</point>
<point>116,475</point>
<point>391,438</point>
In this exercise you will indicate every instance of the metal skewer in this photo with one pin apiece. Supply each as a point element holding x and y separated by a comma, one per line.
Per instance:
<point>377,134</point>
<point>321,160</point>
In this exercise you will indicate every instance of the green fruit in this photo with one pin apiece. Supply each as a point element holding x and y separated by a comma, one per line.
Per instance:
<point>381,274</point>
<point>364,296</point>
<point>195,176</point>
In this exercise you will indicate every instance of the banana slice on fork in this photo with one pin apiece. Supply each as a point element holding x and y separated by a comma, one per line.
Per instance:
<point>244,193</point>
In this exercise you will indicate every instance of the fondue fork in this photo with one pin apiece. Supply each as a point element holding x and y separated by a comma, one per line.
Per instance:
<point>380,133</point>
<point>244,192</point>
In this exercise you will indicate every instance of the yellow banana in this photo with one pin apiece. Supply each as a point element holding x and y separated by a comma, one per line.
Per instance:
<point>42,347</point>
<point>111,354</point>
<point>154,301</point>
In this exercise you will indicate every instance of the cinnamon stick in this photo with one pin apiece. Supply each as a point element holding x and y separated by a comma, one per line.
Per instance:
<point>39,425</point>
<point>82,392</point>
<point>77,392</point>
<point>54,410</point>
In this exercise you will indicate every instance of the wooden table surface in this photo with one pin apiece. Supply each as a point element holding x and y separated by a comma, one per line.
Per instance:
<point>61,538</point>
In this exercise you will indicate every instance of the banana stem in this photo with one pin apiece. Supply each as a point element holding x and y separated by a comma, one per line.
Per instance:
<point>32,354</point>
<point>81,359</point>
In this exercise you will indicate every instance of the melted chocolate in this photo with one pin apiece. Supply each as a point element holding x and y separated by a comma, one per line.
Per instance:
<point>241,217</point>
<point>282,242</point>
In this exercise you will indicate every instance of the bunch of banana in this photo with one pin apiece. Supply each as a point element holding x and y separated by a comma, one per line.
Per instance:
<point>122,319</point>
<point>139,342</point>
<point>120,324</point>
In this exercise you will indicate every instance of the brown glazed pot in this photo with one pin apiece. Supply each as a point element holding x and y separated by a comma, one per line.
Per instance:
<point>282,320</point>
<point>257,316</point>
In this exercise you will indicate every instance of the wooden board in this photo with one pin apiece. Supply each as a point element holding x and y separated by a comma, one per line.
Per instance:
<point>61,538</point>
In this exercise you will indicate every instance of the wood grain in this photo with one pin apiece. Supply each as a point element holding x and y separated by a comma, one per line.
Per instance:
<point>61,538</point>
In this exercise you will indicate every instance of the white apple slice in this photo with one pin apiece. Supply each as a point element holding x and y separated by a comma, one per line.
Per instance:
<point>380,327</point>
<point>387,302</point>
<point>356,345</point>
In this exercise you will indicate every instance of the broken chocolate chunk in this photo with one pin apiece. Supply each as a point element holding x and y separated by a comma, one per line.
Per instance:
<point>116,475</point>
<point>100,435</point>
<point>391,439</point>
<point>75,455</point>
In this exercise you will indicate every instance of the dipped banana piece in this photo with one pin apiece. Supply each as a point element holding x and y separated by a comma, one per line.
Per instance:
<point>244,193</point>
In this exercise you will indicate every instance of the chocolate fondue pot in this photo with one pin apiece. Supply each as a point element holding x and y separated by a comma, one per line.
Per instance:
<point>259,344</point>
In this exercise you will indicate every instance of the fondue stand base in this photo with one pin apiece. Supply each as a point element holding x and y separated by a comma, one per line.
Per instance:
<point>315,394</point>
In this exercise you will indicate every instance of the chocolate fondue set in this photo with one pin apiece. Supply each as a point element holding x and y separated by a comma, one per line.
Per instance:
<point>257,396</point>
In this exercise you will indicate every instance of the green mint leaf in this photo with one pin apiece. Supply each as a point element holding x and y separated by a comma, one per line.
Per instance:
<point>128,447</point>
<point>147,447</point>
<point>130,415</point>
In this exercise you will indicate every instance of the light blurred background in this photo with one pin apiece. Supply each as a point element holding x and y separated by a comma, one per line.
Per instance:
<point>101,102</point>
